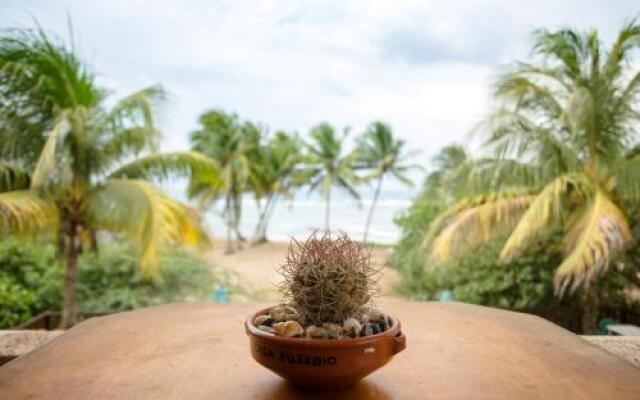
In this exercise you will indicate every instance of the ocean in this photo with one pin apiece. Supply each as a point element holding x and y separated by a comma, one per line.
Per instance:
<point>304,214</point>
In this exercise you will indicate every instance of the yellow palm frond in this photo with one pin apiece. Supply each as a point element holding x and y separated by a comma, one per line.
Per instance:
<point>546,206</point>
<point>47,161</point>
<point>167,165</point>
<point>591,242</point>
<point>22,211</point>
<point>145,214</point>
<point>474,225</point>
<point>436,226</point>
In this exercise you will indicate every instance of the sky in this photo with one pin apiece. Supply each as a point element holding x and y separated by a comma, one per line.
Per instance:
<point>425,67</point>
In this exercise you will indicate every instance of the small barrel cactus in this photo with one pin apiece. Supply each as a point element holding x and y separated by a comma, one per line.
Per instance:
<point>328,280</point>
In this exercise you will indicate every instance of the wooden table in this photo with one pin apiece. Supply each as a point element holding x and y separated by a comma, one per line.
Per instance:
<point>200,351</point>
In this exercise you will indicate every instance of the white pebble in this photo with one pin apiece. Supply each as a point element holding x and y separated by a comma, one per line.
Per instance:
<point>351,327</point>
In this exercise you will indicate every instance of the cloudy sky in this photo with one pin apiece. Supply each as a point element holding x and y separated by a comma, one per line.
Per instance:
<point>423,66</point>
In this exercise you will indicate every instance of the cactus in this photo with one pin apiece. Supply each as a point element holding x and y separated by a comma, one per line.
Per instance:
<point>328,280</point>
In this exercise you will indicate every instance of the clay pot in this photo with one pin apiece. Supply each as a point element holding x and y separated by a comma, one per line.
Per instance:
<point>324,364</point>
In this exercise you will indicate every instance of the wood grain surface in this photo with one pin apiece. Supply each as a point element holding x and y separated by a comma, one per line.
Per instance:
<point>200,351</point>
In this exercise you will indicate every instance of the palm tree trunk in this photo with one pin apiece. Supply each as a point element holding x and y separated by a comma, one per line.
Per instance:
<point>69,307</point>
<point>61,246</point>
<point>94,242</point>
<point>228,217</point>
<point>237,212</point>
<point>267,218</point>
<point>261,212</point>
<point>259,235</point>
<point>372,208</point>
<point>327,212</point>
<point>590,310</point>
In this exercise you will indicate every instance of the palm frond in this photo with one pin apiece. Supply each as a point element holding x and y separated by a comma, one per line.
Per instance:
<point>341,182</point>
<point>625,180</point>
<point>542,73</point>
<point>138,106</point>
<point>591,243</point>
<point>545,207</point>
<point>564,46</point>
<point>629,93</point>
<point>131,140</point>
<point>47,165</point>
<point>526,93</point>
<point>474,225</point>
<point>628,38</point>
<point>514,134</point>
<point>165,165</point>
<point>486,174</point>
<point>22,211</point>
<point>13,177</point>
<point>145,214</point>
<point>399,174</point>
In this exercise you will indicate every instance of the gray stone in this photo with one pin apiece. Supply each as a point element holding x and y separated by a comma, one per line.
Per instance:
<point>266,329</point>
<point>366,330</point>
<point>265,320</point>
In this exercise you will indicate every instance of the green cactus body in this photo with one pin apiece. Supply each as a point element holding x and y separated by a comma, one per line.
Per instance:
<point>328,280</point>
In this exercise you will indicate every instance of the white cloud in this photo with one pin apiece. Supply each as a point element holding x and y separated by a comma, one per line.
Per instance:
<point>425,67</point>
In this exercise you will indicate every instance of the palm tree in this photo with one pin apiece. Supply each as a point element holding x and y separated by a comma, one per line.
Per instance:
<point>328,166</point>
<point>225,140</point>
<point>383,155</point>
<point>564,138</point>
<point>274,174</point>
<point>78,184</point>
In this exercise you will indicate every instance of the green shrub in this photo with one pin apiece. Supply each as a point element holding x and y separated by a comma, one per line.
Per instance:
<point>28,282</point>
<point>522,284</point>
<point>111,280</point>
<point>408,255</point>
<point>31,280</point>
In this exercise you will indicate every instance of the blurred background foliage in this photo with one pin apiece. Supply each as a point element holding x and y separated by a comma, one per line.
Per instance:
<point>108,281</point>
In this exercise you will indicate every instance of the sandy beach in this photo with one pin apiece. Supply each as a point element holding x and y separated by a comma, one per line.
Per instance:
<point>256,269</point>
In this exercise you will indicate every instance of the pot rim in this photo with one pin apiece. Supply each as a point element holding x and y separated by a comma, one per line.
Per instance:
<point>252,330</point>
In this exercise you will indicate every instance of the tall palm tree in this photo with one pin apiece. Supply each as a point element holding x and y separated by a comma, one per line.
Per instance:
<point>329,166</point>
<point>224,139</point>
<point>78,183</point>
<point>565,134</point>
<point>274,175</point>
<point>383,155</point>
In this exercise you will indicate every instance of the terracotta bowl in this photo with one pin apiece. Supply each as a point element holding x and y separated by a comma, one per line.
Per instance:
<point>324,364</point>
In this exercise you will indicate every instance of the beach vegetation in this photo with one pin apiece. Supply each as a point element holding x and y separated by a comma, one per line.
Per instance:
<point>96,158</point>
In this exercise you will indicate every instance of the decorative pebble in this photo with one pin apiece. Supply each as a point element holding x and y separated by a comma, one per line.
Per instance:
<point>265,320</point>
<point>389,321</point>
<point>316,332</point>
<point>283,320</point>
<point>266,329</point>
<point>334,330</point>
<point>283,313</point>
<point>375,315</point>
<point>351,327</point>
<point>366,330</point>
<point>288,328</point>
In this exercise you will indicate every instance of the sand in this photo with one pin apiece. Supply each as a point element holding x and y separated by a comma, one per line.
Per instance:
<point>256,268</point>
